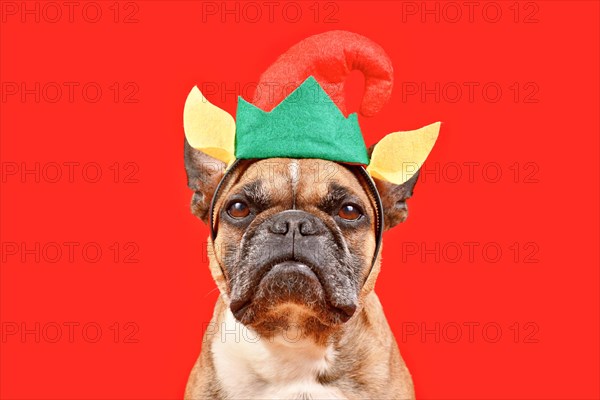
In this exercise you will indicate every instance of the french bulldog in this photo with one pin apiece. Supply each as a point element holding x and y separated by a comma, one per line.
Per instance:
<point>296,205</point>
<point>293,258</point>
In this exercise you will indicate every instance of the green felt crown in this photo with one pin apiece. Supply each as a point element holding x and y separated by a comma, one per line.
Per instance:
<point>306,124</point>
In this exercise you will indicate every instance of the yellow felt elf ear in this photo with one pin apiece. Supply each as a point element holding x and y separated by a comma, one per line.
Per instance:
<point>208,128</point>
<point>399,155</point>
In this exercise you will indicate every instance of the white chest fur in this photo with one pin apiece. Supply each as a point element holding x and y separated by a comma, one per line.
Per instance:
<point>251,367</point>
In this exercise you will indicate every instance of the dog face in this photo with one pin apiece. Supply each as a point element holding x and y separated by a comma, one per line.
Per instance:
<point>295,238</point>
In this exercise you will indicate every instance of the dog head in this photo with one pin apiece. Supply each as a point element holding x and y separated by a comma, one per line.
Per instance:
<point>294,240</point>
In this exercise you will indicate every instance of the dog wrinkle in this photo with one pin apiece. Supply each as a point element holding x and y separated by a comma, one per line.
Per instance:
<point>294,169</point>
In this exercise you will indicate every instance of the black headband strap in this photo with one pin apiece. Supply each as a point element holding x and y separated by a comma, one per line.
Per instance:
<point>213,232</point>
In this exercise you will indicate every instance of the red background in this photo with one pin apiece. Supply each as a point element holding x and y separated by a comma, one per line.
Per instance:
<point>549,49</point>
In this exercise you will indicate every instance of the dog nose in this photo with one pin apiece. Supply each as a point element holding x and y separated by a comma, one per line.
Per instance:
<point>295,221</point>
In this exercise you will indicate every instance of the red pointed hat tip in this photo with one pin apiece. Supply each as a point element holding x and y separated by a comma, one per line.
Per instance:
<point>329,57</point>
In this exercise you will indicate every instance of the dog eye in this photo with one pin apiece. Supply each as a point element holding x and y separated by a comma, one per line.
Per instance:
<point>350,212</point>
<point>238,209</point>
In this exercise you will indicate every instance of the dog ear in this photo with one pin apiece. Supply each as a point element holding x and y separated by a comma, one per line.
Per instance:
<point>395,164</point>
<point>393,199</point>
<point>203,175</point>
<point>208,149</point>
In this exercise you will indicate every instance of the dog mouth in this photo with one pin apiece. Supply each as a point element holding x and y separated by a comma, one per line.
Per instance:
<point>291,281</point>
